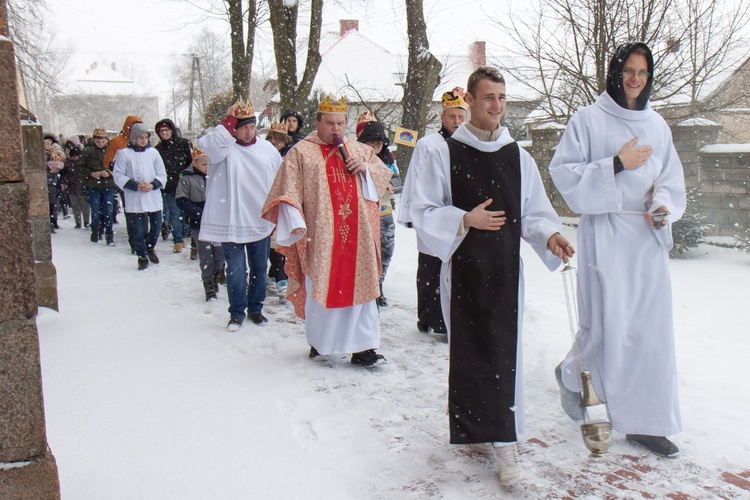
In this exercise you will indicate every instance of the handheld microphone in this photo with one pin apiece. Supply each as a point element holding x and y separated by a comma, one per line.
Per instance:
<point>338,141</point>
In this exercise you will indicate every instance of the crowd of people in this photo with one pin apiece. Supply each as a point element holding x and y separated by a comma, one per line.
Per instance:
<point>309,217</point>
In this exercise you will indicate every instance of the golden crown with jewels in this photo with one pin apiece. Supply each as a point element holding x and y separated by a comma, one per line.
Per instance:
<point>454,99</point>
<point>244,110</point>
<point>333,106</point>
<point>197,152</point>
<point>100,132</point>
<point>279,127</point>
<point>366,116</point>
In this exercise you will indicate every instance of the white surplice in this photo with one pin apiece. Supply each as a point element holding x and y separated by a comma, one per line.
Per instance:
<point>438,224</point>
<point>625,296</point>
<point>418,158</point>
<point>237,183</point>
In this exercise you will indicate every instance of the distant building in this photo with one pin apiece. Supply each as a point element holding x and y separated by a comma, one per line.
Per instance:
<point>372,78</point>
<point>100,97</point>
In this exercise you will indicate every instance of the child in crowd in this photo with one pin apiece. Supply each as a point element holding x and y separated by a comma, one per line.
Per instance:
<point>191,197</point>
<point>277,279</point>
<point>139,171</point>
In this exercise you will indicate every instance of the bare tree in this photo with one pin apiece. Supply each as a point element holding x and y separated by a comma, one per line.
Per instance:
<point>283,15</point>
<point>560,48</point>
<point>37,63</point>
<point>201,73</point>
<point>422,77</point>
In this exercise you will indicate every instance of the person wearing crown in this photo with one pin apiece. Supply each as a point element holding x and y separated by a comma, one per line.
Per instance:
<point>241,170</point>
<point>476,196</point>
<point>325,200</point>
<point>429,313</point>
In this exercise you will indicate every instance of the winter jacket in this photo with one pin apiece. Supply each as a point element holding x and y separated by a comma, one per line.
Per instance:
<point>90,161</point>
<point>73,177</point>
<point>121,141</point>
<point>191,195</point>
<point>177,154</point>
<point>297,135</point>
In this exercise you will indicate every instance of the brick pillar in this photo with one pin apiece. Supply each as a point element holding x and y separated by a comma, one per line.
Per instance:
<point>27,467</point>
<point>544,139</point>
<point>689,137</point>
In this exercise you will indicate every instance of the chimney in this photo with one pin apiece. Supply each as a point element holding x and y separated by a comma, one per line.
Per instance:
<point>347,25</point>
<point>477,54</point>
<point>112,65</point>
<point>92,67</point>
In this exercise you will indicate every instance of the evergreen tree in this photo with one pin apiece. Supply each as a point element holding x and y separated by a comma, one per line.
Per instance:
<point>690,231</point>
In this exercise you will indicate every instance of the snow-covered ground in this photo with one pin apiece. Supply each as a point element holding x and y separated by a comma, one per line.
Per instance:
<point>147,395</point>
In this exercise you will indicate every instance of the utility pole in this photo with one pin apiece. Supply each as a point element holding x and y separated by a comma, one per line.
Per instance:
<point>193,64</point>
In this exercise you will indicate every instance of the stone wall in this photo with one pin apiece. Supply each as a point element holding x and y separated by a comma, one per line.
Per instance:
<point>27,467</point>
<point>724,177</point>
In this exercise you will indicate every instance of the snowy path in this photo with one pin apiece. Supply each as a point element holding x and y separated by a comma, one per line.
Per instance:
<point>147,396</point>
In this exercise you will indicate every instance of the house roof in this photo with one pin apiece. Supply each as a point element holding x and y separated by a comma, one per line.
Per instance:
<point>103,80</point>
<point>358,68</point>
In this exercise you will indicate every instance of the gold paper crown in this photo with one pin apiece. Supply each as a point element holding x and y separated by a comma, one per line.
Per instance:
<point>365,116</point>
<point>197,152</point>
<point>57,155</point>
<point>100,132</point>
<point>455,99</point>
<point>334,106</point>
<point>244,110</point>
<point>279,127</point>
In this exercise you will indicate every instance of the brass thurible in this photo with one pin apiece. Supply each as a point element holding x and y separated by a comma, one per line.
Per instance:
<point>596,432</point>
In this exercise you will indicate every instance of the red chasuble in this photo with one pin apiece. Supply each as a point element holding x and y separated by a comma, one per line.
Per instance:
<point>342,187</point>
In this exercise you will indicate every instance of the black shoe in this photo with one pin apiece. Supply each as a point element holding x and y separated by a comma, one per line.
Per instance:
<point>313,353</point>
<point>94,236</point>
<point>142,263</point>
<point>366,358</point>
<point>87,226</point>
<point>55,226</point>
<point>382,301</point>
<point>210,291</point>
<point>258,318</point>
<point>165,230</point>
<point>193,253</point>
<point>234,324</point>
<point>569,400</point>
<point>100,233</point>
<point>422,327</point>
<point>223,276</point>
<point>115,221</point>
<point>77,226</point>
<point>657,444</point>
<point>152,256</point>
<point>110,239</point>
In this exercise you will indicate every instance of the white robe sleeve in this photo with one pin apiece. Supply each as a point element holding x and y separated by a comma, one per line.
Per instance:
<point>161,172</point>
<point>576,176</point>
<point>407,192</point>
<point>119,172</point>
<point>539,221</point>
<point>216,144</point>
<point>669,188</point>
<point>289,220</point>
<point>433,215</point>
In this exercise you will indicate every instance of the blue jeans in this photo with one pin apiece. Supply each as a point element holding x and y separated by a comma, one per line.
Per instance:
<point>139,222</point>
<point>242,296</point>
<point>102,203</point>
<point>173,215</point>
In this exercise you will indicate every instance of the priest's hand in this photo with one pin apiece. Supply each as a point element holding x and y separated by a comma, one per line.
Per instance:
<point>485,220</point>
<point>633,156</point>
<point>355,165</point>
<point>560,246</point>
<point>231,109</point>
<point>659,218</point>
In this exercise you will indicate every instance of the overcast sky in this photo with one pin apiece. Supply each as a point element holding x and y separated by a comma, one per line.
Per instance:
<point>148,34</point>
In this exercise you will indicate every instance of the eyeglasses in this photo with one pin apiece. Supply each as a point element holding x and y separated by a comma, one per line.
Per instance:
<point>630,73</point>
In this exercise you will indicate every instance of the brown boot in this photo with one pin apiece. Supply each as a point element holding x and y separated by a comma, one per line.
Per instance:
<point>177,248</point>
